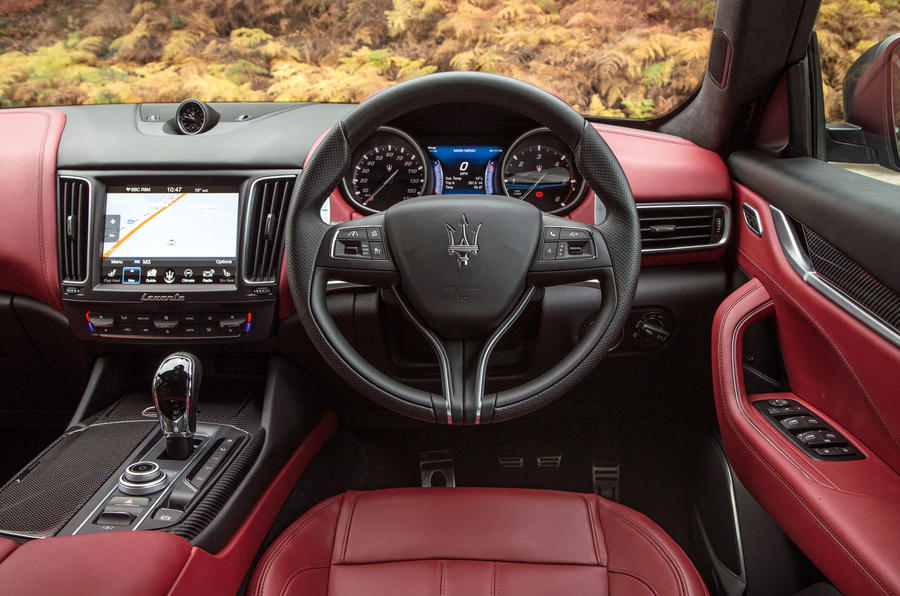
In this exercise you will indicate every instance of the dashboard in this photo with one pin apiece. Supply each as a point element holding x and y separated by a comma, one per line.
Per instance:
<point>161,236</point>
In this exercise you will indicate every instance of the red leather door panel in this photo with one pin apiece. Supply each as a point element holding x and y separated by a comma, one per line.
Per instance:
<point>843,367</point>
<point>845,515</point>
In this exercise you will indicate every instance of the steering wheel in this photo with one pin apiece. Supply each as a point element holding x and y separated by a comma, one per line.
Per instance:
<point>463,267</point>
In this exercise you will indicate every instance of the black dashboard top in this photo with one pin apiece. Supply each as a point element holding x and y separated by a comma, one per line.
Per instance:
<point>118,137</point>
<point>248,135</point>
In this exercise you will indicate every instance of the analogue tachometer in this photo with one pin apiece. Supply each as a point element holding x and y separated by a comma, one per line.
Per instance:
<point>538,168</point>
<point>388,168</point>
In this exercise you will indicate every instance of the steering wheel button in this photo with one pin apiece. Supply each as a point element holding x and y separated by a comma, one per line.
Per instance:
<point>352,234</point>
<point>574,234</point>
<point>548,251</point>
<point>378,252</point>
<point>375,233</point>
<point>551,234</point>
<point>562,250</point>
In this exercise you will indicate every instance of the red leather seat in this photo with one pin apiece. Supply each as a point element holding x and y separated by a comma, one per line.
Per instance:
<point>473,541</point>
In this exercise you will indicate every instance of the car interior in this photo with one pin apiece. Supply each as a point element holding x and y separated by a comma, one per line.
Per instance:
<point>459,338</point>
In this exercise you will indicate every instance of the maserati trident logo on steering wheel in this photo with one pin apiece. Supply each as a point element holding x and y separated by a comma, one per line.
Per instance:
<point>462,247</point>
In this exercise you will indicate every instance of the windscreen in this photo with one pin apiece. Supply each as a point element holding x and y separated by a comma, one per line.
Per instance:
<point>614,58</point>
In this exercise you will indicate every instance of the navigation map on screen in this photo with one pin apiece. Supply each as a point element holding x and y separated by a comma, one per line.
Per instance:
<point>170,222</point>
<point>170,234</point>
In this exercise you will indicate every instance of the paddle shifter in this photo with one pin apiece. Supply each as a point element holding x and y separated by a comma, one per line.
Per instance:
<point>175,390</point>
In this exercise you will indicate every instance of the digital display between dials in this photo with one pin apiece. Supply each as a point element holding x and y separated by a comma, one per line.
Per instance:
<point>464,169</point>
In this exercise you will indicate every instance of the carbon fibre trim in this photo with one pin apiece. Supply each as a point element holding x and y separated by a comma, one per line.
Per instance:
<point>68,473</point>
<point>211,504</point>
<point>799,260</point>
<point>842,271</point>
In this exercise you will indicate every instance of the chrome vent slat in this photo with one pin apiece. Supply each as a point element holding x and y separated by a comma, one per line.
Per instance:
<point>269,200</point>
<point>674,238</point>
<point>73,211</point>
<point>674,217</point>
<point>672,227</point>
<point>677,227</point>
<point>286,190</point>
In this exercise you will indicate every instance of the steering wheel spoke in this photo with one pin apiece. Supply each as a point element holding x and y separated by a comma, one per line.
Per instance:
<point>463,365</point>
<point>357,251</point>
<point>569,252</point>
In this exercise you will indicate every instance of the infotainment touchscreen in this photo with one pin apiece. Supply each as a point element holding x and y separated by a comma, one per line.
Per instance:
<point>170,234</point>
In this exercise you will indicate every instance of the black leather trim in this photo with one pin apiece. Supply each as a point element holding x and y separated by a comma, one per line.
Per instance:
<point>857,214</point>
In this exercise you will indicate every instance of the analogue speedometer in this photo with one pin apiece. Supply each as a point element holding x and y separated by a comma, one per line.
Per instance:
<point>388,168</point>
<point>540,169</point>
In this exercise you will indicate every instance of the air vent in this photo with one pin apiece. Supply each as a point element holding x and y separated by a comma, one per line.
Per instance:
<point>73,209</point>
<point>671,227</point>
<point>269,198</point>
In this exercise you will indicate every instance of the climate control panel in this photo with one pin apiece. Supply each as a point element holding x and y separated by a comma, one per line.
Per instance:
<point>137,323</point>
<point>169,324</point>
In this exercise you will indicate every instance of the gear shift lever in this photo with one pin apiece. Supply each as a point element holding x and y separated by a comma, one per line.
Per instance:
<point>175,390</point>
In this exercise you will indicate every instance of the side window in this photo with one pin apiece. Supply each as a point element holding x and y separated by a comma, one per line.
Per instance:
<point>846,29</point>
<point>859,53</point>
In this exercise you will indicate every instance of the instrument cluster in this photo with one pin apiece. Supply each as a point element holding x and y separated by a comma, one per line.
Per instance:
<point>391,166</point>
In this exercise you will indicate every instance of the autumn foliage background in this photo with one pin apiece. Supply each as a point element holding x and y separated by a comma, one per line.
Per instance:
<point>623,58</point>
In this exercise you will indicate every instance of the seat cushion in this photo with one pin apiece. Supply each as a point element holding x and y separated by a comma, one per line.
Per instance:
<point>472,541</point>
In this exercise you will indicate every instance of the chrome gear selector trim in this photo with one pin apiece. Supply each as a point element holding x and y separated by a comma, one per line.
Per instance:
<point>175,391</point>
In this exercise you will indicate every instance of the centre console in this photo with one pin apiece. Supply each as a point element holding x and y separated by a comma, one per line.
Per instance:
<point>152,491</point>
<point>172,256</point>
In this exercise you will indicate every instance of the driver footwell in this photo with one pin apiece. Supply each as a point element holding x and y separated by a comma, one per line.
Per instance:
<point>650,444</point>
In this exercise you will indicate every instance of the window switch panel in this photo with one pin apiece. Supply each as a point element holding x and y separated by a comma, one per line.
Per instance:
<point>807,430</point>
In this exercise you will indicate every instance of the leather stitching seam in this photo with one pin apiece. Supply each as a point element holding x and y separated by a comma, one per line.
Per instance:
<point>587,503</point>
<point>298,573</point>
<point>660,548</point>
<point>285,541</point>
<point>347,529</point>
<point>40,210</point>
<point>632,574</point>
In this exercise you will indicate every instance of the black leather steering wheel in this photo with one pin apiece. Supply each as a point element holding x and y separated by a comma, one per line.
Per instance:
<point>462,267</point>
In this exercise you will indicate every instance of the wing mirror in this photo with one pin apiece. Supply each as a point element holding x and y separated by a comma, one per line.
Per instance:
<point>872,100</point>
